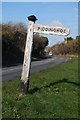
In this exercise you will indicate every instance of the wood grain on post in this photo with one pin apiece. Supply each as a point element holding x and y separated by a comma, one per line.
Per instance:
<point>27,56</point>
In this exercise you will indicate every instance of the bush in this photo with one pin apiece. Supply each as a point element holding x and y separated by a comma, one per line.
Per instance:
<point>14,40</point>
<point>71,47</point>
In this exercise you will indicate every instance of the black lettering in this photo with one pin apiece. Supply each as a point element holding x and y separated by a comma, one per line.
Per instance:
<point>64,30</point>
<point>58,30</point>
<point>46,29</point>
<point>61,30</point>
<point>54,29</point>
<point>50,29</point>
<point>38,28</point>
<point>43,29</point>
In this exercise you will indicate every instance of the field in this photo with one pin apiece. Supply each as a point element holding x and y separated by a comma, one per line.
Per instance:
<point>53,93</point>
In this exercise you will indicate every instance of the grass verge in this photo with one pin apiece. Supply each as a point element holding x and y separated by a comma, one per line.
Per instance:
<point>54,93</point>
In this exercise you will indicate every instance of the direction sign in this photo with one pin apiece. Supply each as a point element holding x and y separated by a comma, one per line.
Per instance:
<point>44,29</point>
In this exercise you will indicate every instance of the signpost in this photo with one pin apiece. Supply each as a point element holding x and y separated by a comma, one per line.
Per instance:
<point>43,29</point>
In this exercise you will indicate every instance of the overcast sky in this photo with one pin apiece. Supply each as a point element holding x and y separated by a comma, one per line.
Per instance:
<point>49,13</point>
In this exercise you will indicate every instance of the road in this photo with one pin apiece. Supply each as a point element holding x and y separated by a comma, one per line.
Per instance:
<point>12,73</point>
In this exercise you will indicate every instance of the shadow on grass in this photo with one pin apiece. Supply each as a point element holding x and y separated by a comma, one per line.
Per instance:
<point>32,91</point>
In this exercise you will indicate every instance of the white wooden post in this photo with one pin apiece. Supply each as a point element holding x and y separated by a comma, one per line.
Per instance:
<point>27,56</point>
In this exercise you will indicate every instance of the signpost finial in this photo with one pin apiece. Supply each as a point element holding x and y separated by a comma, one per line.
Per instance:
<point>32,18</point>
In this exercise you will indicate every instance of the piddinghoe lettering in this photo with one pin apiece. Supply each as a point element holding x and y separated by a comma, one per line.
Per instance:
<point>55,30</point>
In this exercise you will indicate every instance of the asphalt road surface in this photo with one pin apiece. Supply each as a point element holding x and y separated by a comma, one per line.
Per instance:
<point>12,73</point>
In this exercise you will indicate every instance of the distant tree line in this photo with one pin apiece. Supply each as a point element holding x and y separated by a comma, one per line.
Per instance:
<point>14,40</point>
<point>70,46</point>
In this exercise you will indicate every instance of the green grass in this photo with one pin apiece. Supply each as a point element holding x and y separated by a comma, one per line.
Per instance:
<point>53,94</point>
<point>0,99</point>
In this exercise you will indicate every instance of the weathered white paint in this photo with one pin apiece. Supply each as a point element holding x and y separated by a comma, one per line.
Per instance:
<point>44,29</point>
<point>27,54</point>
